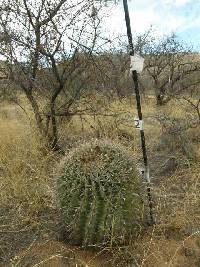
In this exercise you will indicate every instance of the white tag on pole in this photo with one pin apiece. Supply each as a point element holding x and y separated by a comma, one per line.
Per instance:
<point>144,171</point>
<point>138,124</point>
<point>146,175</point>
<point>137,63</point>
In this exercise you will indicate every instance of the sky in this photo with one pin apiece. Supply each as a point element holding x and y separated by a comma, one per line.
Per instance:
<point>165,16</point>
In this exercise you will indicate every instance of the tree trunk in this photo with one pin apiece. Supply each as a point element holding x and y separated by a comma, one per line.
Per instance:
<point>42,127</point>
<point>159,100</point>
<point>36,111</point>
<point>158,95</point>
<point>54,137</point>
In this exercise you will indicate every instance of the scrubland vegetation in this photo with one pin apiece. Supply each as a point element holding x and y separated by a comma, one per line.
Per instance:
<point>30,217</point>
<point>70,189</point>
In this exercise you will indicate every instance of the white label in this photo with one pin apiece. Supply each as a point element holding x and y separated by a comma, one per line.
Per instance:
<point>138,124</point>
<point>137,63</point>
<point>146,175</point>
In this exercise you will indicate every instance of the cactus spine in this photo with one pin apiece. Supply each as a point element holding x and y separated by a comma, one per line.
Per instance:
<point>100,194</point>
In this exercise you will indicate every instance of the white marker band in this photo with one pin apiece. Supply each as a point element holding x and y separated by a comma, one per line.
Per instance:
<point>137,63</point>
<point>138,124</point>
<point>146,175</point>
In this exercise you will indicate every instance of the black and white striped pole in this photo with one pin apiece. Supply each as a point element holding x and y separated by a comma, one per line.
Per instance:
<point>136,66</point>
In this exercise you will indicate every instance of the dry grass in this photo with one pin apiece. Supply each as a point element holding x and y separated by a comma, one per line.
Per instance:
<point>24,168</point>
<point>28,209</point>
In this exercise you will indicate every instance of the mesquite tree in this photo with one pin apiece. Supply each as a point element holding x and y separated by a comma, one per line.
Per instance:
<point>48,45</point>
<point>170,64</point>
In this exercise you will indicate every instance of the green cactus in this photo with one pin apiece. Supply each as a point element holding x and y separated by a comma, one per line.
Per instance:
<point>100,193</point>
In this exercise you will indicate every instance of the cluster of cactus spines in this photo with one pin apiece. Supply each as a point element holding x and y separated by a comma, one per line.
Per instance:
<point>101,194</point>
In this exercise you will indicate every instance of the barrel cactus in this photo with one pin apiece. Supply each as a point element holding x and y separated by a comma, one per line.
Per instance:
<point>100,193</point>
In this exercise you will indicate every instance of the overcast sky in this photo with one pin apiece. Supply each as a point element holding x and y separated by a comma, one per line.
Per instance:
<point>166,16</point>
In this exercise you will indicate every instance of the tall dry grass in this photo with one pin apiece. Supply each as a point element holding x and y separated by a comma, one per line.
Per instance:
<point>27,186</point>
<point>25,166</point>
